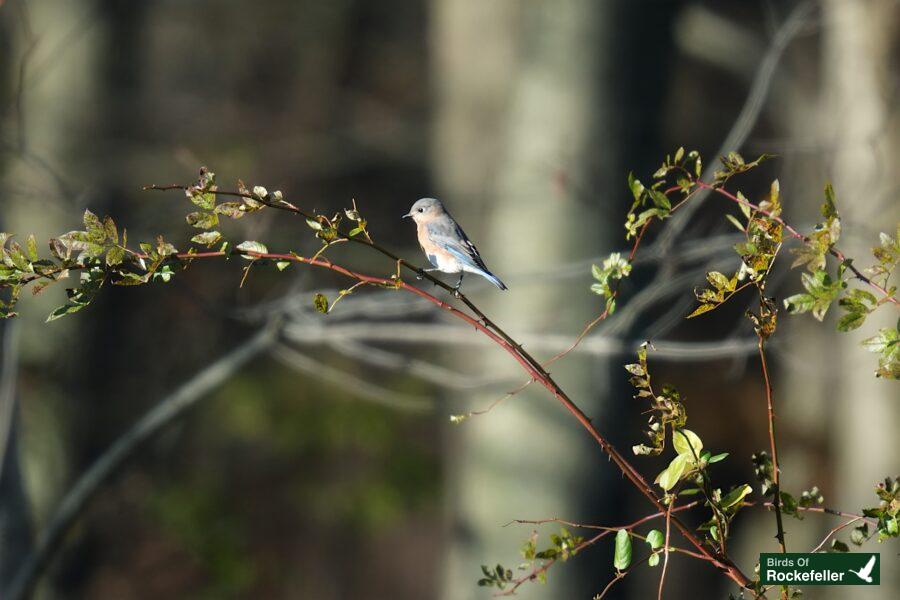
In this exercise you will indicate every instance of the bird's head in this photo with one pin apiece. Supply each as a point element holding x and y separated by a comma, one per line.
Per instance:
<point>425,209</point>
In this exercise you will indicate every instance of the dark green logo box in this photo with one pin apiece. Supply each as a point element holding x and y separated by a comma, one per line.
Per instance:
<point>795,568</point>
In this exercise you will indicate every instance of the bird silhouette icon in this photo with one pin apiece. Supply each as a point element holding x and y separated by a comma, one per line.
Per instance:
<point>866,572</point>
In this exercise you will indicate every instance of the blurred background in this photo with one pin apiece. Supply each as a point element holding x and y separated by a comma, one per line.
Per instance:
<point>308,456</point>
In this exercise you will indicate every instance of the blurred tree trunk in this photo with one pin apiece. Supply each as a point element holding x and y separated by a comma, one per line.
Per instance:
<point>519,113</point>
<point>846,112</point>
<point>15,517</point>
<point>860,71</point>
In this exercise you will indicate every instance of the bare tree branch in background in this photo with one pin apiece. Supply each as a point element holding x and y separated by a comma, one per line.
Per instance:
<point>158,418</point>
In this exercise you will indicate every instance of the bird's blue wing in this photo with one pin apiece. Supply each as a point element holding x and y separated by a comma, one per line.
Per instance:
<point>447,234</point>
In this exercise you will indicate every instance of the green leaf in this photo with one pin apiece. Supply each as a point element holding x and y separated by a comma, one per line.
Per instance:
<point>656,539</point>
<point>93,225</point>
<point>733,220</point>
<point>207,238</point>
<point>703,308</point>
<point>31,246</point>
<point>686,442</point>
<point>717,280</point>
<point>64,310</point>
<point>110,231</point>
<point>115,255</point>
<point>839,546</point>
<point>202,220</point>
<point>622,556</point>
<point>636,187</point>
<point>851,321</point>
<point>232,210</point>
<point>660,200</point>
<point>828,208</point>
<point>251,246</point>
<point>321,303</point>
<point>204,200</point>
<point>799,303</point>
<point>733,497</point>
<point>653,560</point>
<point>281,265</point>
<point>672,474</point>
<point>717,458</point>
<point>859,534</point>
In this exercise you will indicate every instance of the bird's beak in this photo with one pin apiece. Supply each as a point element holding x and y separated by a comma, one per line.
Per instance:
<point>407,215</point>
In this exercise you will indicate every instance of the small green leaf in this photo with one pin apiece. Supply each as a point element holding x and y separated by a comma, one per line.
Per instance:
<point>672,474</point>
<point>109,228</point>
<point>622,556</point>
<point>703,308</point>
<point>859,534</point>
<point>31,248</point>
<point>251,246</point>
<point>828,208</point>
<point>204,200</point>
<point>717,458</point>
<point>799,303</point>
<point>321,303</point>
<point>232,210</point>
<point>733,220</point>
<point>653,560</point>
<point>207,238</point>
<point>733,497</point>
<point>656,539</point>
<point>202,220</point>
<point>115,255</point>
<point>687,442</point>
<point>839,546</point>
<point>281,265</point>
<point>851,321</point>
<point>93,225</point>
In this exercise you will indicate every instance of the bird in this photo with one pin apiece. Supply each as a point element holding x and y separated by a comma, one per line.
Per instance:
<point>445,244</point>
<point>865,572</point>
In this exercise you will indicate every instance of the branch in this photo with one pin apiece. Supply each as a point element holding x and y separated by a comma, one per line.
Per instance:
<point>367,390</point>
<point>454,335</point>
<point>833,251</point>
<point>154,421</point>
<point>486,326</point>
<point>604,531</point>
<point>526,360</point>
<point>776,475</point>
<point>750,111</point>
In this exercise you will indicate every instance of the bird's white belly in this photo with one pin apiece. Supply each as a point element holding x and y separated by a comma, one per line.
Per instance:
<point>447,264</point>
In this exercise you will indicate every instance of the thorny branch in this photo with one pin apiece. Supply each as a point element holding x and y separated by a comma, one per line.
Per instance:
<point>486,326</point>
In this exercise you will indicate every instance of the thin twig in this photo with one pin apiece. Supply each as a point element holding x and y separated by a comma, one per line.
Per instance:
<point>662,575</point>
<point>773,446</point>
<point>619,576</point>
<point>604,531</point>
<point>834,531</point>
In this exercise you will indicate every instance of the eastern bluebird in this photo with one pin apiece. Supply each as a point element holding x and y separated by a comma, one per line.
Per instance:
<point>445,243</point>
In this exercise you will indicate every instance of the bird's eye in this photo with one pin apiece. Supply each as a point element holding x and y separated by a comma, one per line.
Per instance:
<point>421,210</point>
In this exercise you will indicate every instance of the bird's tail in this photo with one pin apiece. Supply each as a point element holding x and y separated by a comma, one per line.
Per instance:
<point>493,279</point>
